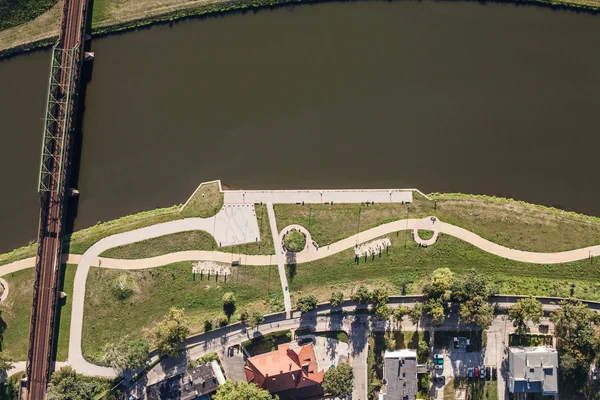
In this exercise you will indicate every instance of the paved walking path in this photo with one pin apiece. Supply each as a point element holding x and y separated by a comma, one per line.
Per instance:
<point>318,196</point>
<point>280,261</point>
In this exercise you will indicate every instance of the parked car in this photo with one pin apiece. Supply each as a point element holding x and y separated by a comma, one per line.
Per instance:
<point>439,368</point>
<point>482,372</point>
<point>438,359</point>
<point>488,372</point>
<point>476,370</point>
<point>470,372</point>
<point>494,373</point>
<point>441,379</point>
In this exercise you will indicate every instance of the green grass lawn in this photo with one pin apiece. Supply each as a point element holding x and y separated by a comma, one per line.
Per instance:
<point>267,343</point>
<point>408,266</point>
<point>475,388</point>
<point>507,222</point>
<point>111,313</point>
<point>425,234</point>
<point>294,240</point>
<point>195,240</point>
<point>17,12</point>
<point>205,202</point>
<point>16,312</point>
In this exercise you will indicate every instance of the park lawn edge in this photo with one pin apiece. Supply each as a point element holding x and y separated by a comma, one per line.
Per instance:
<point>226,7</point>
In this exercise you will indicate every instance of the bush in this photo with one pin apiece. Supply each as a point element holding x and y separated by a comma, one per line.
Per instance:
<point>362,295</point>
<point>336,298</point>
<point>307,303</point>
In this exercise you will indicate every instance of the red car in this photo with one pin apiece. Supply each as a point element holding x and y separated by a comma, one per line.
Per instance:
<point>476,371</point>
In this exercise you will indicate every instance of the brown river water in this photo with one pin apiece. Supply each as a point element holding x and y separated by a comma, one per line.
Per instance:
<point>442,96</point>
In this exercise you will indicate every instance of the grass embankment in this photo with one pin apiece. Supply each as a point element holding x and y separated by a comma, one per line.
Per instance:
<point>122,303</point>
<point>17,308</point>
<point>118,15</point>
<point>205,202</point>
<point>196,240</point>
<point>337,335</point>
<point>17,12</point>
<point>425,234</point>
<point>406,267</point>
<point>510,223</point>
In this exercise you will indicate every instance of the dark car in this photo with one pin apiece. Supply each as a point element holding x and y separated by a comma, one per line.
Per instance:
<point>440,379</point>
<point>488,372</point>
<point>494,373</point>
<point>476,369</point>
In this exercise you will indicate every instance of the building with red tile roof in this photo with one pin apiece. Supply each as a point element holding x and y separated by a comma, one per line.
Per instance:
<point>290,368</point>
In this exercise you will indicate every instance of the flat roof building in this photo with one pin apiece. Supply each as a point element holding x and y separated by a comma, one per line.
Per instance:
<point>399,375</point>
<point>533,370</point>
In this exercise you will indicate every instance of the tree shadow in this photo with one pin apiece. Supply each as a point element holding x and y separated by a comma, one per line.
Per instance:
<point>291,272</point>
<point>229,310</point>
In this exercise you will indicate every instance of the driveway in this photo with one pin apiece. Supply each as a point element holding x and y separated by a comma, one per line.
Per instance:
<point>359,336</point>
<point>330,351</point>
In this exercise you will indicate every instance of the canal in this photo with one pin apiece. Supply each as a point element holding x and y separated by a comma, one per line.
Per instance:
<point>442,96</point>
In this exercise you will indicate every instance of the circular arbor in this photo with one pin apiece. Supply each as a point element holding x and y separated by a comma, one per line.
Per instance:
<point>294,241</point>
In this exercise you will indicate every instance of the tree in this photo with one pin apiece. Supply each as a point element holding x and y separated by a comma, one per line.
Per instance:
<point>229,299</point>
<point>471,285</point>
<point>336,298</point>
<point>241,391</point>
<point>208,325</point>
<point>416,313</point>
<point>440,285</point>
<point>400,312</point>
<point>435,309</point>
<point>244,316</point>
<point>476,311</point>
<point>422,351</point>
<point>573,329</point>
<point>307,303</point>
<point>255,319</point>
<point>362,295</point>
<point>126,354</point>
<point>168,333</point>
<point>68,385</point>
<point>524,310</point>
<point>380,297</point>
<point>229,304</point>
<point>383,312</point>
<point>339,381</point>
<point>6,361</point>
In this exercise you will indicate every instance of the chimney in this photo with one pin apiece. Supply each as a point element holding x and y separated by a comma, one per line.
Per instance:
<point>290,366</point>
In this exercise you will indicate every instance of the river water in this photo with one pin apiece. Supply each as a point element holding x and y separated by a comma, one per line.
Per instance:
<point>442,96</point>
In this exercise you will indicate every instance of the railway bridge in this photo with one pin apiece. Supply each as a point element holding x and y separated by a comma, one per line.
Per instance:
<point>65,68</point>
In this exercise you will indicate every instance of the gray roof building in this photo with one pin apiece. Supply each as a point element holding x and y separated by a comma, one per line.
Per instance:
<point>533,370</point>
<point>190,385</point>
<point>399,375</point>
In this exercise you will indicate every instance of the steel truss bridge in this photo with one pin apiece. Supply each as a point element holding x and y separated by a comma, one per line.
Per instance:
<point>65,68</point>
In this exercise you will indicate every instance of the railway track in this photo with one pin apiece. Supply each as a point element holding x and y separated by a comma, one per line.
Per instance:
<point>62,93</point>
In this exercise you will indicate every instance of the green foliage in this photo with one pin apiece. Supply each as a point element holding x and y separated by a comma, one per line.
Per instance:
<point>422,352</point>
<point>524,310</point>
<point>205,359</point>
<point>222,321</point>
<point>294,240</point>
<point>469,286</point>
<point>383,312</point>
<point>256,319</point>
<point>362,295</point>
<point>267,343</point>
<point>68,385</point>
<point>276,303</point>
<point>424,383</point>
<point>442,280</point>
<point>229,299</point>
<point>380,297</point>
<point>241,391</point>
<point>476,311</point>
<point>167,334</point>
<point>307,303</point>
<point>336,298</point>
<point>6,361</point>
<point>208,325</point>
<point>244,315</point>
<point>339,380</point>
<point>436,311</point>
<point>206,201</point>
<point>17,12</point>
<point>126,354</point>
<point>400,312</point>
<point>416,313</point>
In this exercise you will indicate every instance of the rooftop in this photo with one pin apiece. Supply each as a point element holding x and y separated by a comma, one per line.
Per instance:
<point>189,385</point>
<point>400,375</point>
<point>533,370</point>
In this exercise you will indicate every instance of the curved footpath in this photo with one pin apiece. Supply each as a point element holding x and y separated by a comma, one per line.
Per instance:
<point>311,253</point>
